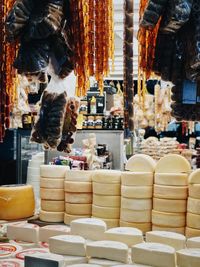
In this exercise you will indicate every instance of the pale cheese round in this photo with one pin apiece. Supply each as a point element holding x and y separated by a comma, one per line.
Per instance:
<point>177,179</point>
<point>110,223</point>
<point>191,232</point>
<point>141,163</point>
<point>194,177</point>
<point>53,205</point>
<point>78,198</point>
<point>136,204</point>
<point>137,178</point>
<point>188,257</point>
<point>168,219</point>
<point>78,209</point>
<point>51,216</point>
<point>193,242</point>
<point>78,187</point>
<point>173,164</point>
<point>135,216</point>
<point>68,218</point>
<point>78,175</point>
<point>194,190</point>
<point>144,227</point>
<point>137,191</point>
<point>193,220</point>
<point>193,205</point>
<point>52,194</point>
<point>178,230</point>
<point>106,189</point>
<point>53,171</point>
<point>169,205</point>
<point>107,177</point>
<point>106,201</point>
<point>170,192</point>
<point>52,183</point>
<point>105,212</point>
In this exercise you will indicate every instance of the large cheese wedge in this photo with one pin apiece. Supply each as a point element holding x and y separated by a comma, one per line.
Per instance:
<point>154,254</point>
<point>193,220</point>
<point>144,227</point>
<point>106,189</point>
<point>174,240</point>
<point>137,191</point>
<point>52,183</point>
<point>168,219</point>
<point>89,228</point>
<point>110,250</point>
<point>78,176</point>
<point>48,231</point>
<point>170,192</point>
<point>103,262</point>
<point>194,190</point>
<point>188,257</point>
<point>78,198</point>
<point>67,245</point>
<point>178,230</point>
<point>140,163</point>
<point>193,205</point>
<point>47,259</point>
<point>177,179</point>
<point>68,218</point>
<point>11,263</point>
<point>135,216</point>
<point>8,250</point>
<point>193,242</point>
<point>129,236</point>
<point>53,171</point>
<point>106,201</point>
<point>110,223</point>
<point>78,187</point>
<point>52,194</point>
<point>136,204</point>
<point>105,212</point>
<point>107,177</point>
<point>191,232</point>
<point>68,260</point>
<point>194,177</point>
<point>173,164</point>
<point>16,202</point>
<point>51,205</point>
<point>169,205</point>
<point>23,231</point>
<point>51,216</point>
<point>137,178</point>
<point>78,209</point>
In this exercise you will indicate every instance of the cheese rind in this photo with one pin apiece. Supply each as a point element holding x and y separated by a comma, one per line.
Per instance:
<point>52,194</point>
<point>170,192</point>
<point>78,176</point>
<point>52,183</point>
<point>51,216</point>
<point>110,223</point>
<point>193,205</point>
<point>105,212</point>
<point>144,227</point>
<point>178,230</point>
<point>194,190</point>
<point>53,171</point>
<point>135,216</point>
<point>78,209</point>
<point>191,232</point>
<point>194,177</point>
<point>141,163</point>
<point>110,250</point>
<point>48,231</point>
<point>177,179</point>
<point>68,218</point>
<point>193,220</point>
<point>78,187</point>
<point>106,189</point>
<point>137,178</point>
<point>103,262</point>
<point>168,219</point>
<point>188,257</point>
<point>193,242</point>
<point>136,204</point>
<point>107,177</point>
<point>137,191</point>
<point>169,205</point>
<point>106,201</point>
<point>78,198</point>
<point>51,205</point>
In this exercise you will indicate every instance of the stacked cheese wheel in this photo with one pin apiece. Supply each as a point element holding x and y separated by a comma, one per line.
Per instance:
<point>106,196</point>
<point>136,192</point>
<point>170,194</point>
<point>52,193</point>
<point>78,195</point>
<point>193,205</point>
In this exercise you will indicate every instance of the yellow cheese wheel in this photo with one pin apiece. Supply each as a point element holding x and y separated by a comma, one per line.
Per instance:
<point>111,223</point>
<point>51,216</point>
<point>68,218</point>
<point>140,163</point>
<point>179,230</point>
<point>144,227</point>
<point>78,209</point>
<point>193,220</point>
<point>137,178</point>
<point>53,205</point>
<point>194,190</point>
<point>193,205</point>
<point>107,177</point>
<point>78,187</point>
<point>106,201</point>
<point>135,216</point>
<point>107,189</point>
<point>53,171</point>
<point>52,194</point>
<point>191,232</point>
<point>105,212</point>
<point>136,204</point>
<point>51,183</point>
<point>78,175</point>
<point>171,179</point>
<point>78,198</point>
<point>16,202</point>
<point>194,177</point>
<point>170,205</point>
<point>168,219</point>
<point>142,192</point>
<point>170,192</point>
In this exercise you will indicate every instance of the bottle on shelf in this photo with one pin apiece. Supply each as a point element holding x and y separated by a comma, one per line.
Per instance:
<point>93,105</point>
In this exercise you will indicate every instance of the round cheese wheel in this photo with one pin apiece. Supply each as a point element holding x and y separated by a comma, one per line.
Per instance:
<point>137,178</point>
<point>170,192</point>
<point>191,232</point>
<point>53,205</point>
<point>68,218</point>
<point>194,190</point>
<point>136,204</point>
<point>52,194</point>
<point>105,212</point>
<point>51,183</point>
<point>193,242</point>
<point>107,176</point>
<point>170,205</point>
<point>106,189</point>
<point>31,251</point>
<point>78,187</point>
<point>16,202</point>
<point>188,257</point>
<point>111,223</point>
<point>137,191</point>
<point>177,179</point>
<point>78,175</point>
<point>8,250</point>
<point>53,171</point>
<point>193,220</point>
<point>51,216</point>
<point>168,219</point>
<point>178,230</point>
<point>135,216</point>
<point>144,227</point>
<point>78,209</point>
<point>106,201</point>
<point>193,205</point>
<point>141,163</point>
<point>11,263</point>
<point>194,177</point>
<point>78,198</point>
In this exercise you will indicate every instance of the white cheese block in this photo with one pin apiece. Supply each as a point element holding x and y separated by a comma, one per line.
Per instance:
<point>52,194</point>
<point>11,263</point>
<point>136,204</point>
<point>193,220</point>
<point>68,218</point>
<point>154,254</point>
<point>177,179</point>
<point>78,209</point>
<point>31,251</point>
<point>178,230</point>
<point>52,183</point>
<point>193,205</point>
<point>144,227</point>
<point>170,192</point>
<point>194,177</point>
<point>137,191</point>
<point>106,201</point>
<point>107,177</point>
<point>135,216</point>
<point>78,198</point>
<point>174,240</point>
<point>173,164</point>
<point>188,257</point>
<point>90,228</point>
<point>110,250</point>
<point>103,262</point>
<point>141,163</point>
<point>137,178</point>
<point>73,245</point>
<point>107,189</point>
<point>23,231</point>
<point>51,205</point>
<point>191,232</point>
<point>193,242</point>
<point>51,216</point>
<point>48,231</point>
<point>68,260</point>
<point>47,259</point>
<point>169,205</point>
<point>78,175</point>
<point>8,250</point>
<point>78,187</point>
<point>194,190</point>
<point>168,219</point>
<point>53,171</point>
<point>110,223</point>
<point>129,236</point>
<point>105,212</point>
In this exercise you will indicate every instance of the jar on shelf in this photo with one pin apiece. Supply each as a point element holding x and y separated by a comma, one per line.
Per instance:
<point>98,122</point>
<point>90,122</point>
<point>83,107</point>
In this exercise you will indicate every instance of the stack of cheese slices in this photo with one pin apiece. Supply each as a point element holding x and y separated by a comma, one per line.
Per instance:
<point>193,206</point>
<point>106,196</point>
<point>136,193</point>
<point>52,193</point>
<point>78,195</point>
<point>170,194</point>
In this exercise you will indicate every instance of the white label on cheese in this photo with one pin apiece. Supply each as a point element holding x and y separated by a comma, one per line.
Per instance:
<point>137,178</point>
<point>188,257</point>
<point>140,163</point>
